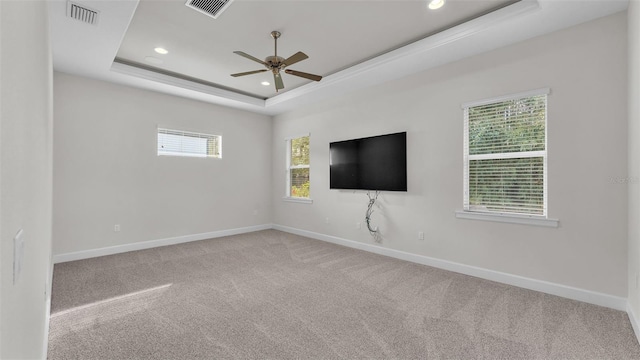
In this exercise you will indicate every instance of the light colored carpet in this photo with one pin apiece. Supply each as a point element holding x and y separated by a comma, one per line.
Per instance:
<point>273,295</point>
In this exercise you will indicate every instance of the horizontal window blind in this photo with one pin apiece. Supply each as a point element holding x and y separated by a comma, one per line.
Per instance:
<point>186,143</point>
<point>505,156</point>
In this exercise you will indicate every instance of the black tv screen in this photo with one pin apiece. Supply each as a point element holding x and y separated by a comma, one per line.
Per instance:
<point>372,163</point>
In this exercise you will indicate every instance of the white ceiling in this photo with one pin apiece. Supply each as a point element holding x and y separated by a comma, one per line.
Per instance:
<point>353,44</point>
<point>335,34</point>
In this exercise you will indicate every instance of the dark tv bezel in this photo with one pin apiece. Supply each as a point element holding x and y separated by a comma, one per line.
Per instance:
<point>404,189</point>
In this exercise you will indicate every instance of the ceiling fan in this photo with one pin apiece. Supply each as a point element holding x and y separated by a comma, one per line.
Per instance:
<point>276,63</point>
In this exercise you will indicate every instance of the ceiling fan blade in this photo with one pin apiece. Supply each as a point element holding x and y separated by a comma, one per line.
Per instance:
<point>277,79</point>
<point>244,54</point>
<point>304,75</point>
<point>249,73</point>
<point>299,56</point>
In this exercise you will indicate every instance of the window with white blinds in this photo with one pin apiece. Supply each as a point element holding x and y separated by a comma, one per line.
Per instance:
<point>186,143</point>
<point>505,155</point>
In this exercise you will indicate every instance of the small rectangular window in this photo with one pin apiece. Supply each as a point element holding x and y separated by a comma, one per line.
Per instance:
<point>298,184</point>
<point>186,143</point>
<point>505,155</point>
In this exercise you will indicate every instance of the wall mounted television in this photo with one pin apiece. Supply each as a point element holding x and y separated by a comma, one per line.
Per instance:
<point>371,163</point>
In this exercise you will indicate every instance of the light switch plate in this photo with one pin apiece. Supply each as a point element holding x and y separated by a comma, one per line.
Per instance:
<point>18,254</point>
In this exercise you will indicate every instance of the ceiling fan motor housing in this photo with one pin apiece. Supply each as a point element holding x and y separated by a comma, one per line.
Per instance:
<point>276,63</point>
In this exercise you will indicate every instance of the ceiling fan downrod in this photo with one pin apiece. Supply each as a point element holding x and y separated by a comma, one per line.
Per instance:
<point>275,35</point>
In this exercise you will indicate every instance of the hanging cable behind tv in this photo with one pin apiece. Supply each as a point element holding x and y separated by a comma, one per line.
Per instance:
<point>372,200</point>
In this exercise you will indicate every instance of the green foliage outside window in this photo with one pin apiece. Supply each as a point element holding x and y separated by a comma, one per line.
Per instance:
<point>503,183</point>
<point>510,126</point>
<point>300,151</point>
<point>300,183</point>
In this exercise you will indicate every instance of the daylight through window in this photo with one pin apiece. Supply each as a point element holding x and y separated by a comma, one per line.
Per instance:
<point>185,143</point>
<point>505,155</point>
<point>298,167</point>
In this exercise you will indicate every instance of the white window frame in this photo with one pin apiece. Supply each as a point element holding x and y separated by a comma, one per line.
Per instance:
<point>289,167</point>
<point>528,219</point>
<point>185,133</point>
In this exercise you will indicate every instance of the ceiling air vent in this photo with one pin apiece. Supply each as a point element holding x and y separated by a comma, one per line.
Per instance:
<point>211,8</point>
<point>82,13</point>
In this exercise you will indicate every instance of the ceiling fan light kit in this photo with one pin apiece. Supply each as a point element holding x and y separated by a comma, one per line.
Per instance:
<point>276,64</point>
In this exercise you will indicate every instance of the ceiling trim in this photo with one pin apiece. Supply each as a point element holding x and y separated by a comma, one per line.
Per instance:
<point>158,77</point>
<point>418,48</point>
<point>90,51</point>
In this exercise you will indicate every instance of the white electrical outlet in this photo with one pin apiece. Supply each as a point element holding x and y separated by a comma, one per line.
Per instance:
<point>116,227</point>
<point>420,235</point>
<point>18,254</point>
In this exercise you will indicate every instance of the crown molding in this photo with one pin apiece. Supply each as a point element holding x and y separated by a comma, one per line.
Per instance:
<point>347,79</point>
<point>228,98</point>
<point>417,50</point>
<point>91,52</point>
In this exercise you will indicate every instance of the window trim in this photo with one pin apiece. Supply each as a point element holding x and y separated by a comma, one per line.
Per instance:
<point>527,219</point>
<point>289,167</point>
<point>297,200</point>
<point>520,95</point>
<point>536,220</point>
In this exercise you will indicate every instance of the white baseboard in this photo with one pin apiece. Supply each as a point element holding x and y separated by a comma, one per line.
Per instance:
<point>86,254</point>
<point>634,321</point>
<point>569,292</point>
<point>587,296</point>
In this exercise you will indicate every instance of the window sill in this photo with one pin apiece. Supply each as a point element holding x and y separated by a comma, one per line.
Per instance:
<point>297,200</point>
<point>513,219</point>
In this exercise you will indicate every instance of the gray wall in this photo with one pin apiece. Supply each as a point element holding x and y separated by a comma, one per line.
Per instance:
<point>107,172</point>
<point>585,67</point>
<point>634,155</point>
<point>25,175</point>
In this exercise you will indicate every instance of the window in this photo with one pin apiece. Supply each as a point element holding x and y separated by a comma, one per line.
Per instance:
<point>298,167</point>
<point>185,143</point>
<point>505,155</point>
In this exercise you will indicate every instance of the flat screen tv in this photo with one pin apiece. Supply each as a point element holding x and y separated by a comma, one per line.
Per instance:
<point>371,163</point>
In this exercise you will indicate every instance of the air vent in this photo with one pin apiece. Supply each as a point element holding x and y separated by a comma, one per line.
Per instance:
<point>82,13</point>
<point>212,8</point>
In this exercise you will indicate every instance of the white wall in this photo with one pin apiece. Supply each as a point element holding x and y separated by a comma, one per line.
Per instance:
<point>584,66</point>
<point>107,172</point>
<point>634,156</point>
<point>25,175</point>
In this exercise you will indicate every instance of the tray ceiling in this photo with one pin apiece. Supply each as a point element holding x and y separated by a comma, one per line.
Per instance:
<point>353,44</point>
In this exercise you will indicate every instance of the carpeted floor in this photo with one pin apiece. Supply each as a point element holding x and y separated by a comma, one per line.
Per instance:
<point>273,295</point>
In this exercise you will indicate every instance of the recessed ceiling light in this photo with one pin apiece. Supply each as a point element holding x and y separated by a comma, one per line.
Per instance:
<point>436,4</point>
<point>153,60</point>
<point>265,83</point>
<point>162,51</point>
